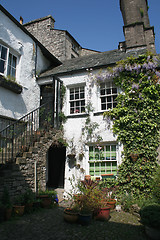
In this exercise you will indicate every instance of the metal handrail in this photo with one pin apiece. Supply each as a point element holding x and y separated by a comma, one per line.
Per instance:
<point>17,137</point>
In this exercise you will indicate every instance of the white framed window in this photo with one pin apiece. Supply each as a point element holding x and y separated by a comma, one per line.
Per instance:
<point>103,160</point>
<point>77,99</point>
<point>8,63</point>
<point>108,95</point>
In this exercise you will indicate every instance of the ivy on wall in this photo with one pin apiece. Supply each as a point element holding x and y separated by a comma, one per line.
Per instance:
<point>136,120</point>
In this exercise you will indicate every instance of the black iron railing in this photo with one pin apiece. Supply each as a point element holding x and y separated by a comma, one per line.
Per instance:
<point>21,135</point>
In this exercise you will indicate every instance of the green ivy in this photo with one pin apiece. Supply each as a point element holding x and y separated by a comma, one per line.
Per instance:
<point>136,121</point>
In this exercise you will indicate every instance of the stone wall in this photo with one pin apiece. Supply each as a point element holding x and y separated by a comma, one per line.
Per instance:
<point>56,41</point>
<point>19,176</point>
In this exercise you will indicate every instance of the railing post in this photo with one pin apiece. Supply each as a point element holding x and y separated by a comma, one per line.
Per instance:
<point>12,143</point>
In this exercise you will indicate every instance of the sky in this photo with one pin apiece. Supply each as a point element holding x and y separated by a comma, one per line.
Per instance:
<point>95,24</point>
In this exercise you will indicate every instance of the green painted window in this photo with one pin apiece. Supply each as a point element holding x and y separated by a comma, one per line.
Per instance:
<point>103,160</point>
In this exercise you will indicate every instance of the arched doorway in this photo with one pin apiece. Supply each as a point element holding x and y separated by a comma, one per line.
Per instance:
<point>56,166</point>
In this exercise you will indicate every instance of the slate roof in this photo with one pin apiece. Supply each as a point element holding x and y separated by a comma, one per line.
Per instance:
<point>98,60</point>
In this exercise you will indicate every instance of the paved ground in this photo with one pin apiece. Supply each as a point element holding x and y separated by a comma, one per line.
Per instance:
<point>48,224</point>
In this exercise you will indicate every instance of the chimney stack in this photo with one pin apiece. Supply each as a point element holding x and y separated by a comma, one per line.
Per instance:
<point>137,30</point>
<point>21,20</point>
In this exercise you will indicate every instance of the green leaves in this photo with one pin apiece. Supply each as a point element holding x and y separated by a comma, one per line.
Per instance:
<point>136,121</point>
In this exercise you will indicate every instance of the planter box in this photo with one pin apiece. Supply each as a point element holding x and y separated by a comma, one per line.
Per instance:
<point>105,176</point>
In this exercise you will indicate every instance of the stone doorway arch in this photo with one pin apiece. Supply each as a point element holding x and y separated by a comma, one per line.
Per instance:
<point>56,157</point>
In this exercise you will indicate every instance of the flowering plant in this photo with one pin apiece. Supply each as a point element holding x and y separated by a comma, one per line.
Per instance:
<point>136,119</point>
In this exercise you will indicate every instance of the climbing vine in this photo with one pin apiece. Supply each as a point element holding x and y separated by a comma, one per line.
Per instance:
<point>136,120</point>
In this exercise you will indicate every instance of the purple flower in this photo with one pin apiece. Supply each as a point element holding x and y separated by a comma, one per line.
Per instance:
<point>135,86</point>
<point>158,74</point>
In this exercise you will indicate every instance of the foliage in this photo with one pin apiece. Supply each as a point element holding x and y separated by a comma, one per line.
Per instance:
<point>50,193</point>
<point>86,195</point>
<point>6,198</point>
<point>156,185</point>
<point>150,216</point>
<point>89,129</point>
<point>19,200</point>
<point>90,196</point>
<point>29,196</point>
<point>136,121</point>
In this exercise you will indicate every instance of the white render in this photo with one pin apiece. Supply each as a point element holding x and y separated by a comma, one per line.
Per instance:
<point>24,48</point>
<point>73,126</point>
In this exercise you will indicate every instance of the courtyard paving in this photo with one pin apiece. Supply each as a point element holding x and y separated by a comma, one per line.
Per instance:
<point>48,224</point>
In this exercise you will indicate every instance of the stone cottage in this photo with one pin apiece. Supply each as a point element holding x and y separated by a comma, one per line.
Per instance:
<point>92,148</point>
<point>97,153</point>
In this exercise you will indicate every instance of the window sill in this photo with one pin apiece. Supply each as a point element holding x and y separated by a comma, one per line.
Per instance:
<point>99,113</point>
<point>10,85</point>
<point>82,115</point>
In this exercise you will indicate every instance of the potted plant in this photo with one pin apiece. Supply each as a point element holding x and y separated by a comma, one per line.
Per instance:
<point>89,200</point>
<point>28,200</point>
<point>150,218</point>
<point>108,197</point>
<point>48,198</point>
<point>7,204</point>
<point>71,214</point>
<point>19,206</point>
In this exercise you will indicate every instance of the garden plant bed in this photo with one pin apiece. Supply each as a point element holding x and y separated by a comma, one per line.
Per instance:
<point>48,224</point>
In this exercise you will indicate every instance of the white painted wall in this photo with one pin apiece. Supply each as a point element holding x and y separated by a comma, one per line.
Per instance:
<point>16,105</point>
<point>73,126</point>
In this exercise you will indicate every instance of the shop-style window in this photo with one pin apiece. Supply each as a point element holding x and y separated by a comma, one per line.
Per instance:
<point>103,160</point>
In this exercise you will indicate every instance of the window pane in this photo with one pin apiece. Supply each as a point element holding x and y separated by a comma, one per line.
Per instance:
<point>82,95</point>
<point>1,66</point>
<point>108,99</point>
<point>103,106</point>
<point>71,96</point>
<point>14,62</point>
<point>9,71</point>
<point>77,103</point>
<point>102,91</point>
<point>114,90</point>
<point>10,60</point>
<point>4,53</point>
<point>108,91</point>
<point>76,94</point>
<point>109,105</point>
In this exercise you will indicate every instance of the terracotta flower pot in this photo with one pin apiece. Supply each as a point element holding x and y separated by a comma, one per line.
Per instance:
<point>45,201</point>
<point>111,203</point>
<point>70,216</point>
<point>8,213</point>
<point>102,214</point>
<point>18,210</point>
<point>87,177</point>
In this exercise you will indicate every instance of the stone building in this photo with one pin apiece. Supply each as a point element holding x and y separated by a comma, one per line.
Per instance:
<point>56,163</point>
<point>59,42</point>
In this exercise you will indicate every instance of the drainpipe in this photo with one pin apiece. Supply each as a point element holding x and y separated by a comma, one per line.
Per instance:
<point>35,71</point>
<point>35,176</point>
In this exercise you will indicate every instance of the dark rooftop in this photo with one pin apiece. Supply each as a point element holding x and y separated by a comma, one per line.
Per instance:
<point>94,61</point>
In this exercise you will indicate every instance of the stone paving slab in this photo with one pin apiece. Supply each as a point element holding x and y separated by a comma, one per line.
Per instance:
<point>48,224</point>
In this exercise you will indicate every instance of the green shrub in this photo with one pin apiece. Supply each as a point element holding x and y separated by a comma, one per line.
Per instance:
<point>156,185</point>
<point>150,216</point>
